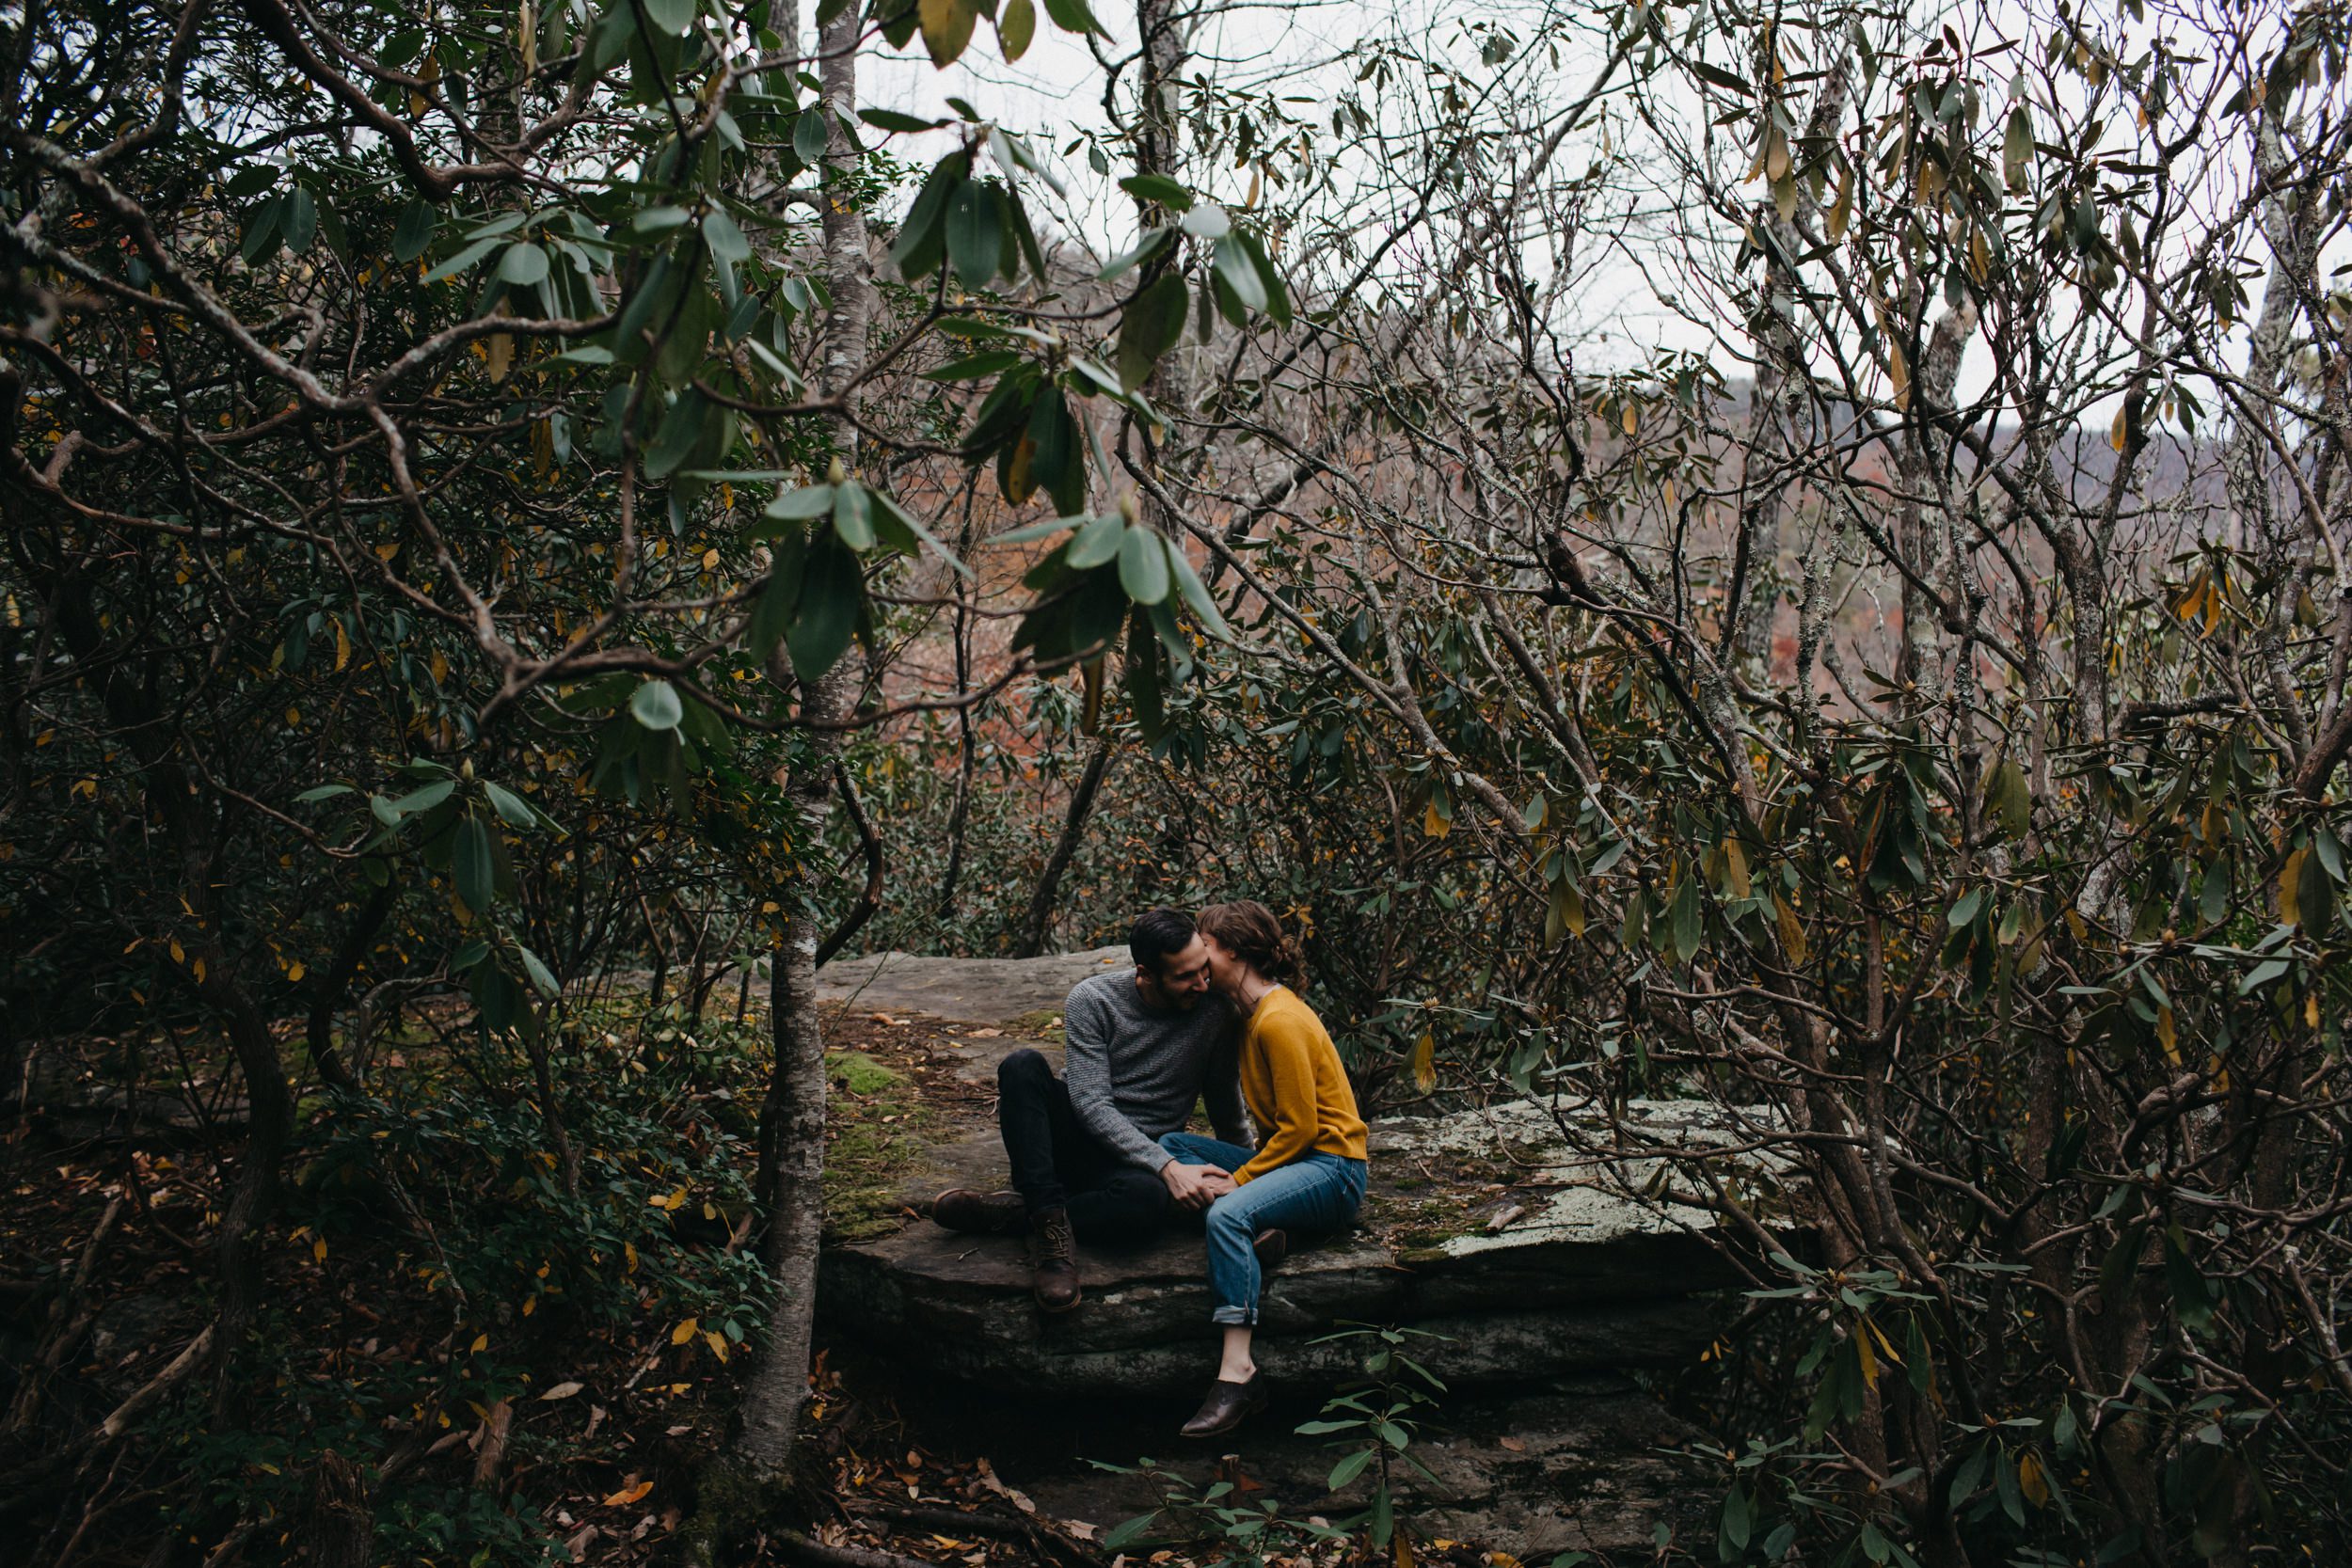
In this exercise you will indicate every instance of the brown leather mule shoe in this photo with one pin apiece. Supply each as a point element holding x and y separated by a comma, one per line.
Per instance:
<point>1228,1405</point>
<point>1271,1246</point>
<point>978,1213</point>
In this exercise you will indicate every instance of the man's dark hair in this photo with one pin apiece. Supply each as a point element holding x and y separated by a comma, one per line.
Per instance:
<point>1156,934</point>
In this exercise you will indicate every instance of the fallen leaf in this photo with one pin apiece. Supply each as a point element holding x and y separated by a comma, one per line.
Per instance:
<point>988,1033</point>
<point>1517,1445</point>
<point>631,1490</point>
<point>561,1391</point>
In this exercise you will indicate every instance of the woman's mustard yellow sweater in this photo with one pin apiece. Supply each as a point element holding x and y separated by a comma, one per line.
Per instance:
<point>1296,1090</point>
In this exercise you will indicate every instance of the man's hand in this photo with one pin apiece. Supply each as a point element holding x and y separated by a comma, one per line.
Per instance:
<point>1195,1186</point>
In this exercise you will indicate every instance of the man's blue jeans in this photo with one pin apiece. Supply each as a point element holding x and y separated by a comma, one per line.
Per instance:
<point>1321,1192</point>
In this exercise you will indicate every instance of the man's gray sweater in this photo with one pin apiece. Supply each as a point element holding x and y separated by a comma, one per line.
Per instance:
<point>1133,1071</point>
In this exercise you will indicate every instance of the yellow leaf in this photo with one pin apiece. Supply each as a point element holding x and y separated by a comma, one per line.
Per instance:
<point>1736,865</point>
<point>388,549</point>
<point>1899,372</point>
<point>710,560</point>
<point>683,1332</point>
<point>1404,1550</point>
<point>178,954</point>
<point>631,1491</point>
<point>342,646</point>
<point>2168,1032</point>
<point>197,968</point>
<point>1791,931</point>
<point>947,29</point>
<point>480,1343</point>
<point>530,1304</point>
<point>295,971</point>
<point>1630,419</point>
<point>1434,823</point>
<point>629,1254</point>
<point>318,1249</point>
<point>2290,903</point>
<point>2116,438</point>
<point>718,1345</point>
<point>2030,1480</point>
<point>1869,1362</point>
<point>1426,1063</point>
<point>2311,1012</point>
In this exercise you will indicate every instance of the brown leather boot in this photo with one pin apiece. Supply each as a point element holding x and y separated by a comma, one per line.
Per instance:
<point>978,1213</point>
<point>1054,1261</point>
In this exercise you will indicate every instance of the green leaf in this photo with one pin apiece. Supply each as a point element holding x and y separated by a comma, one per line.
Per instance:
<point>852,517</point>
<point>725,237</point>
<point>1039,530</point>
<point>975,243</point>
<point>1207,221</point>
<point>1238,271</point>
<point>1096,543</point>
<point>299,219</point>
<point>462,260</point>
<point>247,183</point>
<point>1722,78</point>
<point>413,236</point>
<point>810,501</point>
<point>808,136</point>
<point>669,16</point>
<point>1154,324</point>
<point>510,806</point>
<point>1196,594</point>
<point>922,238</point>
<point>655,706</point>
<point>1071,16</point>
<point>323,792</point>
<point>419,799</point>
<point>524,265</point>
<point>1143,565</point>
<point>541,977</point>
<point>473,863</point>
<point>1349,1468</point>
<point>674,441</point>
<point>1153,241</point>
<point>1154,187</point>
<point>1016,25</point>
<point>660,221</point>
<point>833,591</point>
<point>891,119</point>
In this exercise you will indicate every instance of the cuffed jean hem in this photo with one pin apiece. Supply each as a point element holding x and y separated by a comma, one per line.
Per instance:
<point>1317,1192</point>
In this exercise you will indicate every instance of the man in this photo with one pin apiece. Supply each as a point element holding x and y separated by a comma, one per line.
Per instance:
<point>1086,1161</point>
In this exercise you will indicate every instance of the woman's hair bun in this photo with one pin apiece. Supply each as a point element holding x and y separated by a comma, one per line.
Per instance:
<point>1254,934</point>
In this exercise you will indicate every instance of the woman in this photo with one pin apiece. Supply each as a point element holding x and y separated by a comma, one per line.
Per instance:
<point>1308,1171</point>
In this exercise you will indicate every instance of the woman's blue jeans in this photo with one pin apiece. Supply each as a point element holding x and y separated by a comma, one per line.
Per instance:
<point>1321,1192</point>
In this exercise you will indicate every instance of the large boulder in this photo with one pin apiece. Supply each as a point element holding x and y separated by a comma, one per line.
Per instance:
<point>1481,1227</point>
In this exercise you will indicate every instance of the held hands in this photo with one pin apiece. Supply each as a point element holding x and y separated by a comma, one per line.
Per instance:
<point>1195,1186</point>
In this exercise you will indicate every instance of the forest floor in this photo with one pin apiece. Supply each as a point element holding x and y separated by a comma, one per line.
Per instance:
<point>520,1395</point>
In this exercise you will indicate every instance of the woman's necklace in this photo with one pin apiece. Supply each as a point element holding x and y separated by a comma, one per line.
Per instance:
<point>1255,989</point>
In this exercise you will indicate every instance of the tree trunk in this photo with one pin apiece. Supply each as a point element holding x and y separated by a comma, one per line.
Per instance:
<point>792,1122</point>
<point>1038,922</point>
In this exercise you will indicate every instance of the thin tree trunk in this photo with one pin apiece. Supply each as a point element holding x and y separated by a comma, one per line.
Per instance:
<point>1038,922</point>
<point>792,1122</point>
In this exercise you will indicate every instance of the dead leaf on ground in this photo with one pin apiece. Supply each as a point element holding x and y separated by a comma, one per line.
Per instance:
<point>561,1391</point>
<point>1517,1445</point>
<point>631,1490</point>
